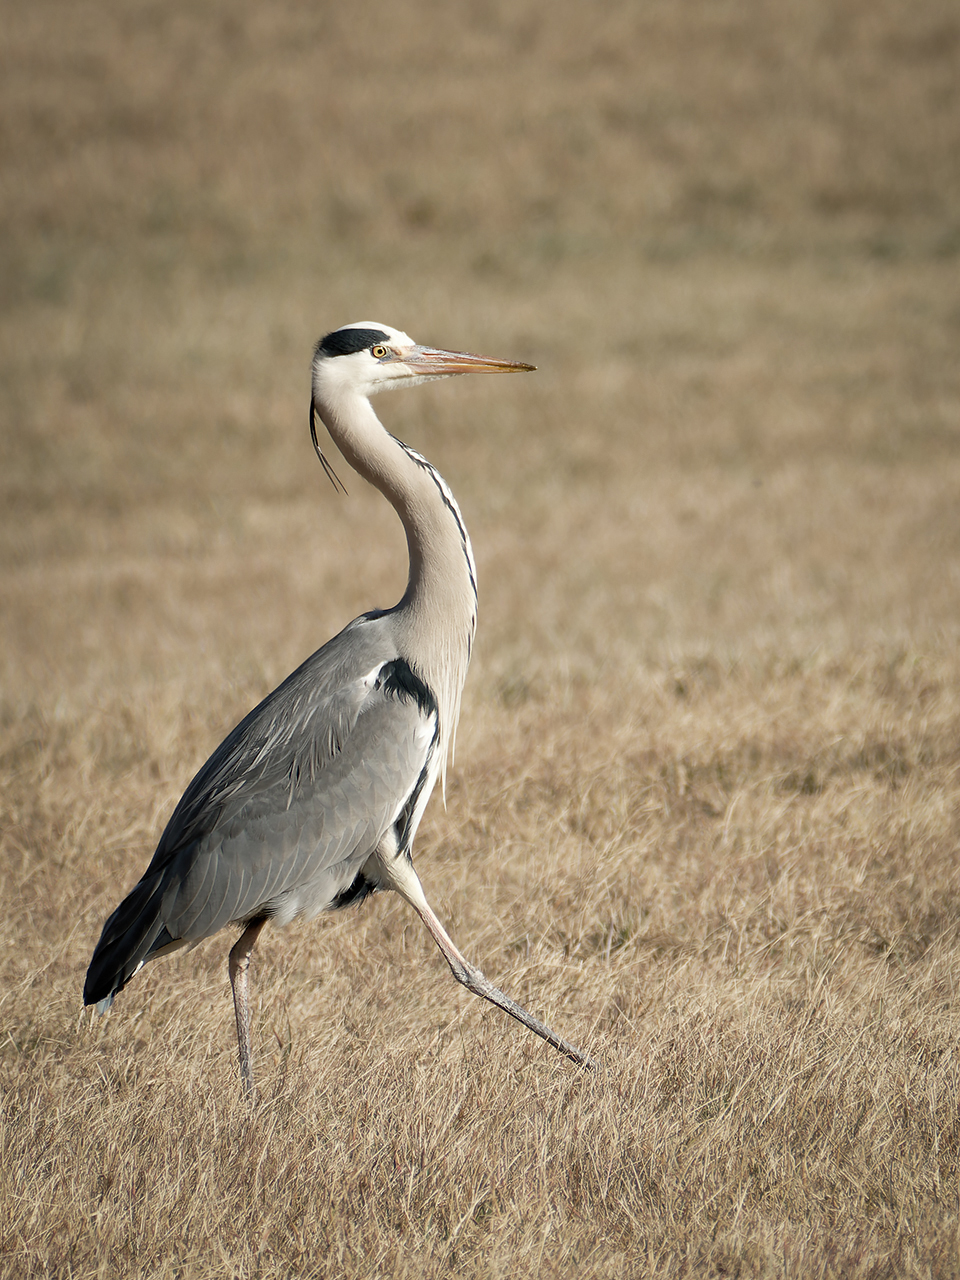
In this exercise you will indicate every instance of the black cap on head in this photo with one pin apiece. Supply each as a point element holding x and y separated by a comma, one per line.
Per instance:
<point>344,342</point>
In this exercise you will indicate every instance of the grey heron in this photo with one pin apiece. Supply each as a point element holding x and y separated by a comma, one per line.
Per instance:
<point>314,799</point>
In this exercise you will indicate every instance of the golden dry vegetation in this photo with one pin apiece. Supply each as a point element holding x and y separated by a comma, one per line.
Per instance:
<point>705,812</point>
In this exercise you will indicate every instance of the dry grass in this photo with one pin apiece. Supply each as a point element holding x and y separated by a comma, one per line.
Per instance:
<point>706,808</point>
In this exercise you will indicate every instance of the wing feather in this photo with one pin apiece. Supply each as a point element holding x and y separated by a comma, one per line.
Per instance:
<point>286,811</point>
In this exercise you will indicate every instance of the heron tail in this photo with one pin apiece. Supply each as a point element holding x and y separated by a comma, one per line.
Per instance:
<point>131,935</point>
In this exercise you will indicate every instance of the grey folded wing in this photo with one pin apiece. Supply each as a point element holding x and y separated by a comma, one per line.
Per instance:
<point>283,815</point>
<point>293,844</point>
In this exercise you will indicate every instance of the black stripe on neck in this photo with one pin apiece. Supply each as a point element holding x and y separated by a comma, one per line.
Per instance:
<point>446,498</point>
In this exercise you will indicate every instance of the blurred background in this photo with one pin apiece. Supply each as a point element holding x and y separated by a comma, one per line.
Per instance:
<point>708,776</point>
<point>728,232</point>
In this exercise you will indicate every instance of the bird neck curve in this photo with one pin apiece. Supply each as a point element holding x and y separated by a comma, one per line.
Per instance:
<point>435,620</point>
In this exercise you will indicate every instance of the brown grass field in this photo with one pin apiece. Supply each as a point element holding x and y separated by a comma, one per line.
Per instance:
<point>705,812</point>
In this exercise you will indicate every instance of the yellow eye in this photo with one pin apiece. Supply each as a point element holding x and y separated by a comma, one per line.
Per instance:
<point>378,353</point>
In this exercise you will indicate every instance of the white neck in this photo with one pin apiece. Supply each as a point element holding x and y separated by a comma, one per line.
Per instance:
<point>435,621</point>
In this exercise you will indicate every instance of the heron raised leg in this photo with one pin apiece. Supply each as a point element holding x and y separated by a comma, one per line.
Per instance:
<point>404,879</point>
<point>240,982</point>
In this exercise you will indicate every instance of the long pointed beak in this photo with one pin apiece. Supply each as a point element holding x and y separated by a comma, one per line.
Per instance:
<point>435,364</point>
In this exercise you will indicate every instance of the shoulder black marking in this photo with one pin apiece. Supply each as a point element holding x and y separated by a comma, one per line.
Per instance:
<point>398,679</point>
<point>344,342</point>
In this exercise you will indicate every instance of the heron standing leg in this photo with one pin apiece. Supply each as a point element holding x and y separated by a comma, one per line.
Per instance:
<point>240,982</point>
<point>404,879</point>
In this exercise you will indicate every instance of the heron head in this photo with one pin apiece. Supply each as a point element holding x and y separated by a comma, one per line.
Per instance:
<point>367,357</point>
